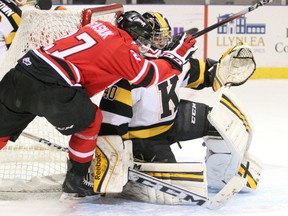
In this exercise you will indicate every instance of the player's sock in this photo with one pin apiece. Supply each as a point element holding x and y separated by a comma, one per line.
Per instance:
<point>3,141</point>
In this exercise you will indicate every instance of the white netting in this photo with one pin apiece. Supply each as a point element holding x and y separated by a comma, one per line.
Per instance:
<point>27,165</point>
<point>42,27</point>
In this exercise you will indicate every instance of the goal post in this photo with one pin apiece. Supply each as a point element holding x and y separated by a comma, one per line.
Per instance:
<point>115,9</point>
<point>27,165</point>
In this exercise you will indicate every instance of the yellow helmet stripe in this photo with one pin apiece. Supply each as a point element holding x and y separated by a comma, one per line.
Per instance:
<point>161,20</point>
<point>163,24</point>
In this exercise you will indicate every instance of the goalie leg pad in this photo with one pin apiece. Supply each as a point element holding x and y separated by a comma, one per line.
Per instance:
<point>113,157</point>
<point>190,176</point>
<point>252,167</point>
<point>218,164</point>
<point>224,156</point>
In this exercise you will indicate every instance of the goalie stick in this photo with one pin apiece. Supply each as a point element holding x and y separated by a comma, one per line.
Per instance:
<point>232,17</point>
<point>217,201</point>
<point>236,184</point>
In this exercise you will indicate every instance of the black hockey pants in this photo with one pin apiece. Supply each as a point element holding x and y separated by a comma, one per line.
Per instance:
<point>22,98</point>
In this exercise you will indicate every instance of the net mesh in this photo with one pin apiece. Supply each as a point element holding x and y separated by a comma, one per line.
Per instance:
<point>27,165</point>
<point>40,28</point>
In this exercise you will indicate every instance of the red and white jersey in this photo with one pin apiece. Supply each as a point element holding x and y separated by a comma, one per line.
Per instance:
<point>95,57</point>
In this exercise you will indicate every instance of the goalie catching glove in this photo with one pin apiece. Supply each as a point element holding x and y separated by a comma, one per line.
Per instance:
<point>235,66</point>
<point>179,51</point>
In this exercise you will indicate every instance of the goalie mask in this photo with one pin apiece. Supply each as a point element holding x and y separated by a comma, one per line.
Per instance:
<point>138,28</point>
<point>161,35</point>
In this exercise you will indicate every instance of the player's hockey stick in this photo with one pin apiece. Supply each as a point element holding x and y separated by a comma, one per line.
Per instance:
<point>232,17</point>
<point>44,141</point>
<point>40,4</point>
<point>219,200</point>
<point>192,31</point>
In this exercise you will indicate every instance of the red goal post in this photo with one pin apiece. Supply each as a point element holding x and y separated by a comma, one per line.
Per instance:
<point>27,165</point>
<point>87,13</point>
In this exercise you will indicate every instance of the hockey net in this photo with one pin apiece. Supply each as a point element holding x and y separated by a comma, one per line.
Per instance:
<point>27,165</point>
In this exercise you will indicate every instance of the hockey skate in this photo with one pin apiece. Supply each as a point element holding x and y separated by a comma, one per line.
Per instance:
<point>76,187</point>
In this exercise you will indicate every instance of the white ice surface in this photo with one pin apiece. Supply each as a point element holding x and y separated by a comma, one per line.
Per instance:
<point>267,104</point>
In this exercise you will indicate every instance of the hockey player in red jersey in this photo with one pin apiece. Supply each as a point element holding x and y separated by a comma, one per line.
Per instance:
<point>57,81</point>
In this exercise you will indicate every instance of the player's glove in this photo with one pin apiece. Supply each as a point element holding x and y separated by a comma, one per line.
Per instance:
<point>179,51</point>
<point>153,53</point>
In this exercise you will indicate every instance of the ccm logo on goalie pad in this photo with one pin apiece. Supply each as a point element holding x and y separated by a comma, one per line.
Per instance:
<point>169,189</point>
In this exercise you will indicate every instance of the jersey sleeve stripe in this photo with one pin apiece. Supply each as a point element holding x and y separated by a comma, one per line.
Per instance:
<point>114,119</point>
<point>9,38</point>
<point>147,133</point>
<point>124,96</point>
<point>116,107</point>
<point>55,67</point>
<point>149,75</point>
<point>17,19</point>
<point>148,78</point>
<point>196,74</point>
<point>141,73</point>
<point>65,66</point>
<point>80,154</point>
<point>78,76</point>
<point>156,73</point>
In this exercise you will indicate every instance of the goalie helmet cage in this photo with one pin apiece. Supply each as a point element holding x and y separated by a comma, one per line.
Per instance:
<point>27,165</point>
